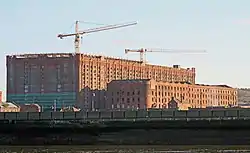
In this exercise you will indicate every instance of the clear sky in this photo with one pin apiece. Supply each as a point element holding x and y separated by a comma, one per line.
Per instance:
<point>222,27</point>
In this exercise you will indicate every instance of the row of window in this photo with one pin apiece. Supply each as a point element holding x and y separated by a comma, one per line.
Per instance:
<point>128,100</point>
<point>119,74</point>
<point>164,87</point>
<point>127,93</point>
<point>125,106</point>
<point>199,95</point>
<point>192,101</point>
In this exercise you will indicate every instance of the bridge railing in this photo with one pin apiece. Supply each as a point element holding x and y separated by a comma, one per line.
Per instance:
<point>130,115</point>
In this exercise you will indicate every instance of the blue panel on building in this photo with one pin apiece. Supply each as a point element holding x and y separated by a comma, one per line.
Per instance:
<point>46,100</point>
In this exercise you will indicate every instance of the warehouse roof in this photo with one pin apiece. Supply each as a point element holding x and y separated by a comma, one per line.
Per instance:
<point>145,80</point>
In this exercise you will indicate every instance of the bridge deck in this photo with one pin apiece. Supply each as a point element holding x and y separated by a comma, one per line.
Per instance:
<point>137,115</point>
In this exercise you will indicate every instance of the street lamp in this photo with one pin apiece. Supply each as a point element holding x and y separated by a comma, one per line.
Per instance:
<point>54,106</point>
<point>105,101</point>
<point>92,102</point>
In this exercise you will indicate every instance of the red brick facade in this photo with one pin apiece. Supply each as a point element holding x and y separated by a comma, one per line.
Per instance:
<point>156,94</point>
<point>96,71</point>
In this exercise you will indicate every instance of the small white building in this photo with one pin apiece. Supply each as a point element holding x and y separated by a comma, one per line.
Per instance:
<point>9,107</point>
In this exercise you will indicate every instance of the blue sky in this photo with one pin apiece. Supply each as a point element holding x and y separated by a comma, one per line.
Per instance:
<point>222,27</point>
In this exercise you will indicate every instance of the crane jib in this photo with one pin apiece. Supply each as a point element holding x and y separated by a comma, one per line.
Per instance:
<point>77,33</point>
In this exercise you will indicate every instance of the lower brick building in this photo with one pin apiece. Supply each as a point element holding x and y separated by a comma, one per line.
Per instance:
<point>147,93</point>
<point>243,96</point>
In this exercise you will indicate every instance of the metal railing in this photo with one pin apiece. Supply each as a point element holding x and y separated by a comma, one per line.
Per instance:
<point>136,115</point>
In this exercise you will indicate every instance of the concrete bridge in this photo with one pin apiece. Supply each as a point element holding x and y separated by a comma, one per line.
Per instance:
<point>136,115</point>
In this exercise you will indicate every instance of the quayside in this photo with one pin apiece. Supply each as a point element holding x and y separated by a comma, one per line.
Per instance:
<point>176,132</point>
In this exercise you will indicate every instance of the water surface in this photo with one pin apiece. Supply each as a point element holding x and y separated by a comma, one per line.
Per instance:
<point>125,149</point>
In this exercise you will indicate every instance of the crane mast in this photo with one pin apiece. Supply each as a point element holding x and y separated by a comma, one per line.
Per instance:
<point>77,38</point>
<point>143,51</point>
<point>78,33</point>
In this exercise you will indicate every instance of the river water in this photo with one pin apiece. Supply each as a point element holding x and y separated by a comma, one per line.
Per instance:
<point>125,149</point>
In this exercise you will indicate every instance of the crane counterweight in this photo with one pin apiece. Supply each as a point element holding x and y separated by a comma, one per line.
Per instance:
<point>60,36</point>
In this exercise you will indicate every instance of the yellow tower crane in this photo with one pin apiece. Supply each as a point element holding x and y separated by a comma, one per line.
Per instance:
<point>78,33</point>
<point>143,51</point>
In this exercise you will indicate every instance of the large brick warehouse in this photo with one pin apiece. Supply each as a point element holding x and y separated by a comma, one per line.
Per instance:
<point>66,79</point>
